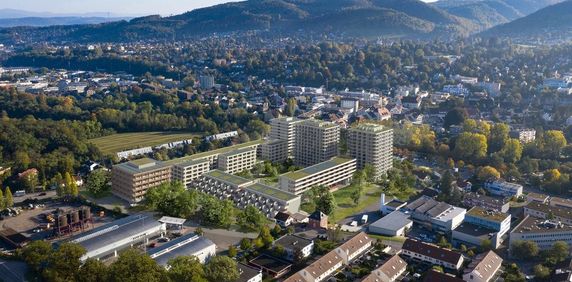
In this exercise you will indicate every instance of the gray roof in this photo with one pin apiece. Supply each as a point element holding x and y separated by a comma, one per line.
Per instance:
<point>246,272</point>
<point>189,246</point>
<point>102,236</point>
<point>293,241</point>
<point>393,221</point>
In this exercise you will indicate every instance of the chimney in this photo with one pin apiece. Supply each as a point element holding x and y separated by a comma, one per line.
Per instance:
<point>382,202</point>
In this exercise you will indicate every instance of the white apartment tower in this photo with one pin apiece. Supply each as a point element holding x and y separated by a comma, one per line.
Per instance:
<point>316,141</point>
<point>371,144</point>
<point>284,129</point>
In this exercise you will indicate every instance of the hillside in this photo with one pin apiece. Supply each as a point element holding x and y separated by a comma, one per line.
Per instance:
<point>552,21</point>
<point>404,18</point>
<point>489,13</point>
<point>43,21</point>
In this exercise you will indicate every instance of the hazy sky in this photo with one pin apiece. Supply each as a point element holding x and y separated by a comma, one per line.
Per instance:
<point>139,7</point>
<point>143,7</point>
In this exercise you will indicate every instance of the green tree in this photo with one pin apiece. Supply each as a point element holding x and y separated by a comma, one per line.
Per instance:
<point>290,108</point>
<point>186,268</point>
<point>245,244</point>
<point>232,251</point>
<point>266,236</point>
<point>97,182</point>
<point>9,199</point>
<point>559,252</point>
<point>36,254</point>
<point>64,262</point>
<point>326,203</point>
<point>471,146</point>
<point>499,136</point>
<point>221,269</point>
<point>134,266</point>
<point>486,245</point>
<point>512,151</point>
<point>2,200</point>
<point>541,273</point>
<point>93,270</point>
<point>250,218</point>
<point>487,173</point>
<point>554,141</point>
<point>524,250</point>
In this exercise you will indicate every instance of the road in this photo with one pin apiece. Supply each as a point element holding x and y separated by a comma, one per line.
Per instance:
<point>49,194</point>
<point>12,271</point>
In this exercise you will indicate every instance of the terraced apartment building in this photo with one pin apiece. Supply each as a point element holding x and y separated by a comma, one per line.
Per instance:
<point>316,142</point>
<point>336,171</point>
<point>371,144</point>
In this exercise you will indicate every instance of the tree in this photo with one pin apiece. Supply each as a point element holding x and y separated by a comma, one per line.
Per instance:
<point>541,272</point>
<point>486,245</point>
<point>512,151</point>
<point>554,141</point>
<point>524,250</point>
<point>279,251</point>
<point>265,236</point>
<point>134,266</point>
<point>471,146</point>
<point>290,108</point>
<point>326,203</point>
<point>221,269</point>
<point>2,200</point>
<point>199,231</point>
<point>245,244</point>
<point>232,251</point>
<point>97,182</point>
<point>93,270</point>
<point>250,218</point>
<point>558,252</point>
<point>9,199</point>
<point>186,268</point>
<point>454,117</point>
<point>64,262</point>
<point>36,254</point>
<point>499,136</point>
<point>487,173</point>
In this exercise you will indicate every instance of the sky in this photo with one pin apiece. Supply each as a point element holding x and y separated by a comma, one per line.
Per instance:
<point>117,7</point>
<point>131,7</point>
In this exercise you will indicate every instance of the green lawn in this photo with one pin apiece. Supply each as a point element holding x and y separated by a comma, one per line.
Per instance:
<point>346,207</point>
<point>387,238</point>
<point>125,141</point>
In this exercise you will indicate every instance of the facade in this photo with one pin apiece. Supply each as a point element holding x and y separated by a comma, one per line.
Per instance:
<point>524,135</point>
<point>432,254</point>
<point>503,188</point>
<point>438,216</point>
<point>110,238</point>
<point>318,220</point>
<point>480,225</point>
<point>535,197</point>
<point>186,172</point>
<point>393,224</point>
<point>293,243</point>
<point>275,151</point>
<point>248,273</point>
<point>541,231</point>
<point>206,81</point>
<point>371,144</point>
<point>188,245</point>
<point>472,235</point>
<point>284,129</point>
<point>336,171</point>
<point>544,211</point>
<point>237,161</point>
<point>130,181</point>
<point>315,142</point>
<point>387,207</point>
<point>497,221</point>
<point>560,202</point>
<point>483,268</point>
<point>494,203</point>
<point>354,247</point>
<point>388,271</point>
<point>244,192</point>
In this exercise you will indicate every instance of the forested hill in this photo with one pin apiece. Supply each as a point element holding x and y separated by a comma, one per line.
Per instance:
<point>399,18</point>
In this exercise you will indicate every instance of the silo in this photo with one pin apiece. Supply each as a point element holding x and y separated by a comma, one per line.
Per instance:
<point>62,221</point>
<point>75,216</point>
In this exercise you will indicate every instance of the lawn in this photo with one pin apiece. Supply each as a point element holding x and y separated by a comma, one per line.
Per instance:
<point>346,206</point>
<point>125,141</point>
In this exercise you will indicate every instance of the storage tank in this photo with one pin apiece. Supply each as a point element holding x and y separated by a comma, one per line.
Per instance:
<point>62,221</point>
<point>86,213</point>
<point>75,216</point>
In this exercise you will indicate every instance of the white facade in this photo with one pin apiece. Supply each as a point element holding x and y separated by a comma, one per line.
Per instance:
<point>335,171</point>
<point>503,188</point>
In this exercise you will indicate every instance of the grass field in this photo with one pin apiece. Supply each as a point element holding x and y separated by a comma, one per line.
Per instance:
<point>125,141</point>
<point>346,206</point>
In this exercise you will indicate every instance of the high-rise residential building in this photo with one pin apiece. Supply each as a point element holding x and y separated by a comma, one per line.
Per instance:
<point>284,129</point>
<point>238,160</point>
<point>372,144</point>
<point>131,180</point>
<point>206,81</point>
<point>316,142</point>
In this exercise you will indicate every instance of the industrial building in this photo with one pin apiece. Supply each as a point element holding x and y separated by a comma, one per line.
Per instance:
<point>130,181</point>
<point>244,192</point>
<point>438,216</point>
<point>394,224</point>
<point>543,232</point>
<point>545,211</point>
<point>187,245</point>
<point>316,142</point>
<point>336,171</point>
<point>108,239</point>
<point>371,144</point>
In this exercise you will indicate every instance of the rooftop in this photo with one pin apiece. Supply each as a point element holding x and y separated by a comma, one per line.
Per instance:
<point>370,128</point>
<point>432,251</point>
<point>246,272</point>
<point>237,151</point>
<point>270,263</point>
<point>141,165</point>
<point>329,164</point>
<point>317,123</point>
<point>485,265</point>
<point>214,152</point>
<point>189,244</point>
<point>227,177</point>
<point>395,203</point>
<point>487,214</point>
<point>292,241</point>
<point>474,230</point>
<point>393,221</point>
<point>270,191</point>
<point>537,225</point>
<point>556,211</point>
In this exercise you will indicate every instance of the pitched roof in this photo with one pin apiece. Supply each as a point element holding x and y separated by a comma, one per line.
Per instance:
<point>355,243</point>
<point>432,251</point>
<point>485,266</point>
<point>282,216</point>
<point>317,215</point>
<point>324,264</point>
<point>390,268</point>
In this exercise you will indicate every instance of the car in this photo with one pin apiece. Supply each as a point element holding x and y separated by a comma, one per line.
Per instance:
<point>164,239</point>
<point>42,194</point>
<point>152,245</point>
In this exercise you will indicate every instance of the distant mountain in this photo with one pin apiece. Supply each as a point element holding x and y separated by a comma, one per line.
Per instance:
<point>403,18</point>
<point>555,20</point>
<point>489,13</point>
<point>14,14</point>
<point>39,22</point>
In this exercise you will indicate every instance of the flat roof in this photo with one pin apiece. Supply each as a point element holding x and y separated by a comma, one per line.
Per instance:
<point>488,214</point>
<point>246,272</point>
<point>532,224</point>
<point>237,151</point>
<point>214,152</point>
<point>393,221</point>
<point>186,245</point>
<point>474,230</point>
<point>317,168</point>
<point>227,177</point>
<point>370,128</point>
<point>141,165</point>
<point>110,233</point>
<point>271,263</point>
<point>556,211</point>
<point>172,220</point>
<point>290,241</point>
<point>271,191</point>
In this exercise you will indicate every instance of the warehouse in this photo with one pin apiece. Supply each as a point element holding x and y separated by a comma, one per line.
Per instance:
<point>188,245</point>
<point>393,224</point>
<point>120,234</point>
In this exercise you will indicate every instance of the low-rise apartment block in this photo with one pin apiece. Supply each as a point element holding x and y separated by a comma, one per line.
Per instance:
<point>188,171</point>
<point>503,188</point>
<point>238,160</point>
<point>495,203</point>
<point>524,135</point>
<point>432,254</point>
<point>438,216</point>
<point>484,268</point>
<point>335,171</point>
<point>541,231</point>
<point>244,192</point>
<point>131,180</point>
